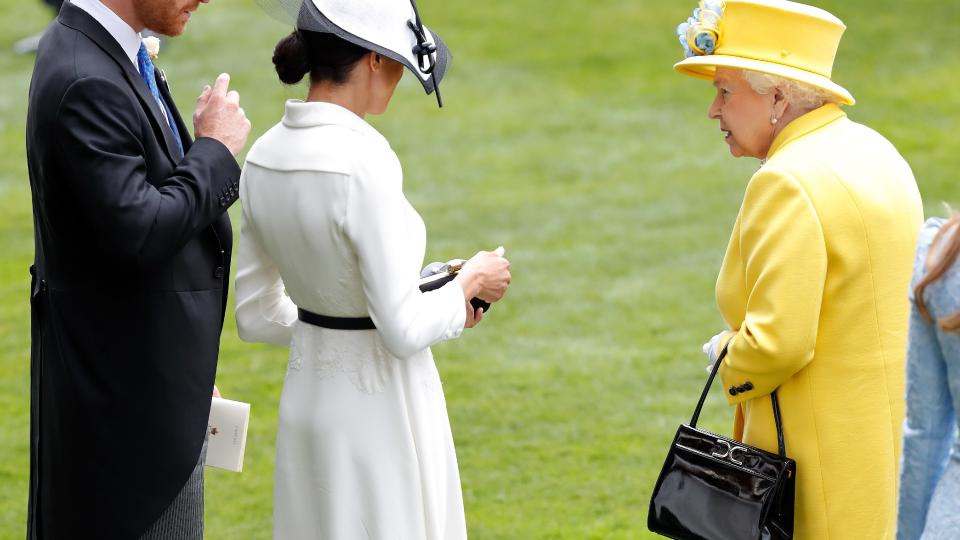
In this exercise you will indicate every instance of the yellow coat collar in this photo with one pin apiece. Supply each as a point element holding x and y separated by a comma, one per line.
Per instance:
<point>806,124</point>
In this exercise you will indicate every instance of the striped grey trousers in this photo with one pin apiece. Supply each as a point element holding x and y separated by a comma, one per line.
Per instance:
<point>183,519</point>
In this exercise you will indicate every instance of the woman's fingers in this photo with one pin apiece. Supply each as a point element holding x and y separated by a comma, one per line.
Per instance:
<point>471,317</point>
<point>474,316</point>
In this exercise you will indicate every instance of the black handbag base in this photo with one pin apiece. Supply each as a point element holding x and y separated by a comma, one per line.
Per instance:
<point>701,496</point>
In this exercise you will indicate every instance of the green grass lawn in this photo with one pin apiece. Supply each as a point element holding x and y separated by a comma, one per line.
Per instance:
<point>567,138</point>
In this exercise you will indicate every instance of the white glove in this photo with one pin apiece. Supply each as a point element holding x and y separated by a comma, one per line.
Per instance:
<point>712,349</point>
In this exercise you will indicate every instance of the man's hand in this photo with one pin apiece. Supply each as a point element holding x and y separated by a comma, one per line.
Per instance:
<point>219,116</point>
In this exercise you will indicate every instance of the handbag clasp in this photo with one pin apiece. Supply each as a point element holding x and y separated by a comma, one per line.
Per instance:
<point>727,451</point>
<point>734,449</point>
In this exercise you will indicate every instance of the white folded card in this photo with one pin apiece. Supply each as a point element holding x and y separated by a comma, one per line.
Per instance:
<point>227,434</point>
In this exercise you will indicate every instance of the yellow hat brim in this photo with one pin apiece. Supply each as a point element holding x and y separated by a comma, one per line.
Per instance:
<point>705,67</point>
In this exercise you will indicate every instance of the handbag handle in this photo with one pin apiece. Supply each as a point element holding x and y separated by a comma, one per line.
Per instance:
<point>773,400</point>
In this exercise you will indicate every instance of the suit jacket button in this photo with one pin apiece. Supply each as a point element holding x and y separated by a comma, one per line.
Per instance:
<point>218,273</point>
<point>734,391</point>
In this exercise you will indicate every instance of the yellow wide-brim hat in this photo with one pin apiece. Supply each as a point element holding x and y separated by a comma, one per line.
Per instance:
<point>783,38</point>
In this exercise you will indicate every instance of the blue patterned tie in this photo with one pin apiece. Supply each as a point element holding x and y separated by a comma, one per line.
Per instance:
<point>147,73</point>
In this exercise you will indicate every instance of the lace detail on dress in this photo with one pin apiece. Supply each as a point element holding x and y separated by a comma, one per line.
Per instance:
<point>326,368</point>
<point>368,372</point>
<point>296,359</point>
<point>431,377</point>
<point>353,354</point>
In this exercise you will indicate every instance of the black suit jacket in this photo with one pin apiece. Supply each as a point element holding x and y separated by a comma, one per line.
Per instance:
<point>129,288</point>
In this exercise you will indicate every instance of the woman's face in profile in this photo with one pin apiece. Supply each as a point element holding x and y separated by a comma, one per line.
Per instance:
<point>744,115</point>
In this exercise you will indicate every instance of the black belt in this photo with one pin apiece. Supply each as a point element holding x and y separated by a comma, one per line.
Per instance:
<point>336,323</point>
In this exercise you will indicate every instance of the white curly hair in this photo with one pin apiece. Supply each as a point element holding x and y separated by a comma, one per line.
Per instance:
<point>799,94</point>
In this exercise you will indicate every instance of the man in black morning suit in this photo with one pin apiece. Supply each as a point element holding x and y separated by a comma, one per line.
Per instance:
<point>130,276</point>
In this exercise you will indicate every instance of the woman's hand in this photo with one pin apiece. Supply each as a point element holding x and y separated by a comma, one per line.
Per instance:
<point>712,349</point>
<point>485,276</point>
<point>474,316</point>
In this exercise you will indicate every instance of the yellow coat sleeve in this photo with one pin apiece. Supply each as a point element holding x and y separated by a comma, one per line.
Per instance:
<point>784,256</point>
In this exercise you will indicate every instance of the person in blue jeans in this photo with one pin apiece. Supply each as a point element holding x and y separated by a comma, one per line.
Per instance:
<point>929,502</point>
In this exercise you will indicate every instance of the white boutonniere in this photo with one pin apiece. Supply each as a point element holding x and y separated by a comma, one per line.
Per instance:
<point>152,44</point>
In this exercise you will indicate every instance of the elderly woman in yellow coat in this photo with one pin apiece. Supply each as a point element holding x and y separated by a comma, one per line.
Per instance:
<point>814,282</point>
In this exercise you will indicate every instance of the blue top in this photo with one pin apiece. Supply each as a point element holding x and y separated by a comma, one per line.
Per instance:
<point>929,503</point>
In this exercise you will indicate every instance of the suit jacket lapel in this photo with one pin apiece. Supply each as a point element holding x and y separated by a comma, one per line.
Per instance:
<point>164,88</point>
<point>81,21</point>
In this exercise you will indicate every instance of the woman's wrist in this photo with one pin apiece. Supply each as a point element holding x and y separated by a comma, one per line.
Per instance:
<point>469,281</point>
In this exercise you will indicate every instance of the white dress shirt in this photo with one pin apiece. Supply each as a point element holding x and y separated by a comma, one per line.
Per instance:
<point>127,37</point>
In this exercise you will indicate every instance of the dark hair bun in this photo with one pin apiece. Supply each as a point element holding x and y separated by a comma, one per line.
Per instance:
<point>291,59</point>
<point>324,56</point>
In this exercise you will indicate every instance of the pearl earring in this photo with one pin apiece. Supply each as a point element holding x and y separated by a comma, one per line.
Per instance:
<point>774,120</point>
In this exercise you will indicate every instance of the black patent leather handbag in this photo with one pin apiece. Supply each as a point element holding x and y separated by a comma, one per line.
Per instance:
<point>715,488</point>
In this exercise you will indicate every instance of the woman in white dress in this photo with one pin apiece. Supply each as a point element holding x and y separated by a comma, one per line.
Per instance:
<point>364,448</point>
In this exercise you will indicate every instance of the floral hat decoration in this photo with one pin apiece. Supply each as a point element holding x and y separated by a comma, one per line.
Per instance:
<point>701,32</point>
<point>779,37</point>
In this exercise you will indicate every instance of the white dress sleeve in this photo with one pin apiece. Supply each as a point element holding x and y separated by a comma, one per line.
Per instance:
<point>378,224</point>
<point>264,312</point>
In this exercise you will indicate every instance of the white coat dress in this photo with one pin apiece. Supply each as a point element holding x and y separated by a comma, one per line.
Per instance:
<point>364,448</point>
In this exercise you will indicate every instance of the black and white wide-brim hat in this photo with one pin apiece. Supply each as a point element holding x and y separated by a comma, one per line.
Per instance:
<point>389,27</point>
